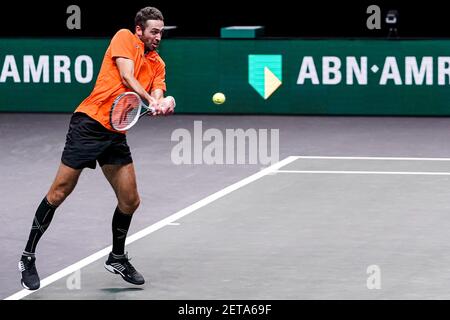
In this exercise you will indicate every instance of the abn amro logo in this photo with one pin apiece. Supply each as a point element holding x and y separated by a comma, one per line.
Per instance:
<point>264,73</point>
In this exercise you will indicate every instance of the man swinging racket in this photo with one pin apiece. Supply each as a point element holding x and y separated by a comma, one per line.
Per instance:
<point>130,64</point>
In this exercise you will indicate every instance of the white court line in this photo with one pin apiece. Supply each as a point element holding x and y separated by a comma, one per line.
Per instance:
<point>154,227</point>
<point>373,158</point>
<point>366,172</point>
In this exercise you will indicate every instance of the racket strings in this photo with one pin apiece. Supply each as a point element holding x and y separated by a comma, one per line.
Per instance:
<point>125,112</point>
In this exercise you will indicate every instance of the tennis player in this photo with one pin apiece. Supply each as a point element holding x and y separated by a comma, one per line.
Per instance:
<point>131,63</point>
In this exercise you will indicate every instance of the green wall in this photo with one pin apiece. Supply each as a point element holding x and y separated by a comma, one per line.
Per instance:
<point>197,68</point>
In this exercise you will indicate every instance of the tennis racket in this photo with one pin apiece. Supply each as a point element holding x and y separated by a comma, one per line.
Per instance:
<point>126,110</point>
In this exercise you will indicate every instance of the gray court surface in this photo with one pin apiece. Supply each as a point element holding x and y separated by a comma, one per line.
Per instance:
<point>311,229</point>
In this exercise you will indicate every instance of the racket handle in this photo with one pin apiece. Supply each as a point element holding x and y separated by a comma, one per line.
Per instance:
<point>147,110</point>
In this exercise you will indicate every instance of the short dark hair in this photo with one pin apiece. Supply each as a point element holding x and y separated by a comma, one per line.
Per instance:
<point>147,13</point>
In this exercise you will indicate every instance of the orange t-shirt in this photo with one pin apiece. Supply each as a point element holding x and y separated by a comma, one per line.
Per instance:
<point>149,70</point>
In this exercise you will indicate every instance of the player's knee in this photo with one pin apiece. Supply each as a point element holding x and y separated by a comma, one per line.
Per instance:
<point>58,194</point>
<point>56,197</point>
<point>131,204</point>
<point>135,203</point>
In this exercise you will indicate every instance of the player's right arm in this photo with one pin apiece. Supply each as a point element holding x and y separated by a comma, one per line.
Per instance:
<point>126,71</point>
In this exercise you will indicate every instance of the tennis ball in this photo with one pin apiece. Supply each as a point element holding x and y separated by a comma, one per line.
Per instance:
<point>218,98</point>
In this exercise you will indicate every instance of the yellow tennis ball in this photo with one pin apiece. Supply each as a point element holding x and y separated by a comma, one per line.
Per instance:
<point>218,98</point>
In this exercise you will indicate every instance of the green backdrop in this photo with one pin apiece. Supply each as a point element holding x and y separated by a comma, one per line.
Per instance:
<point>197,68</point>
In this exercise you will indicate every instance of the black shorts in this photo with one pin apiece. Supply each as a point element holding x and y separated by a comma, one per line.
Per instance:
<point>88,141</point>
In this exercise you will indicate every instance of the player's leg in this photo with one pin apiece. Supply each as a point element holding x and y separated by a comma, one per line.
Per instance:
<point>65,181</point>
<point>85,140</point>
<point>123,180</point>
<point>63,185</point>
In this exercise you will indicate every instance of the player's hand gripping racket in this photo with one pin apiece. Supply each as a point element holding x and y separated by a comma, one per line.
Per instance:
<point>128,108</point>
